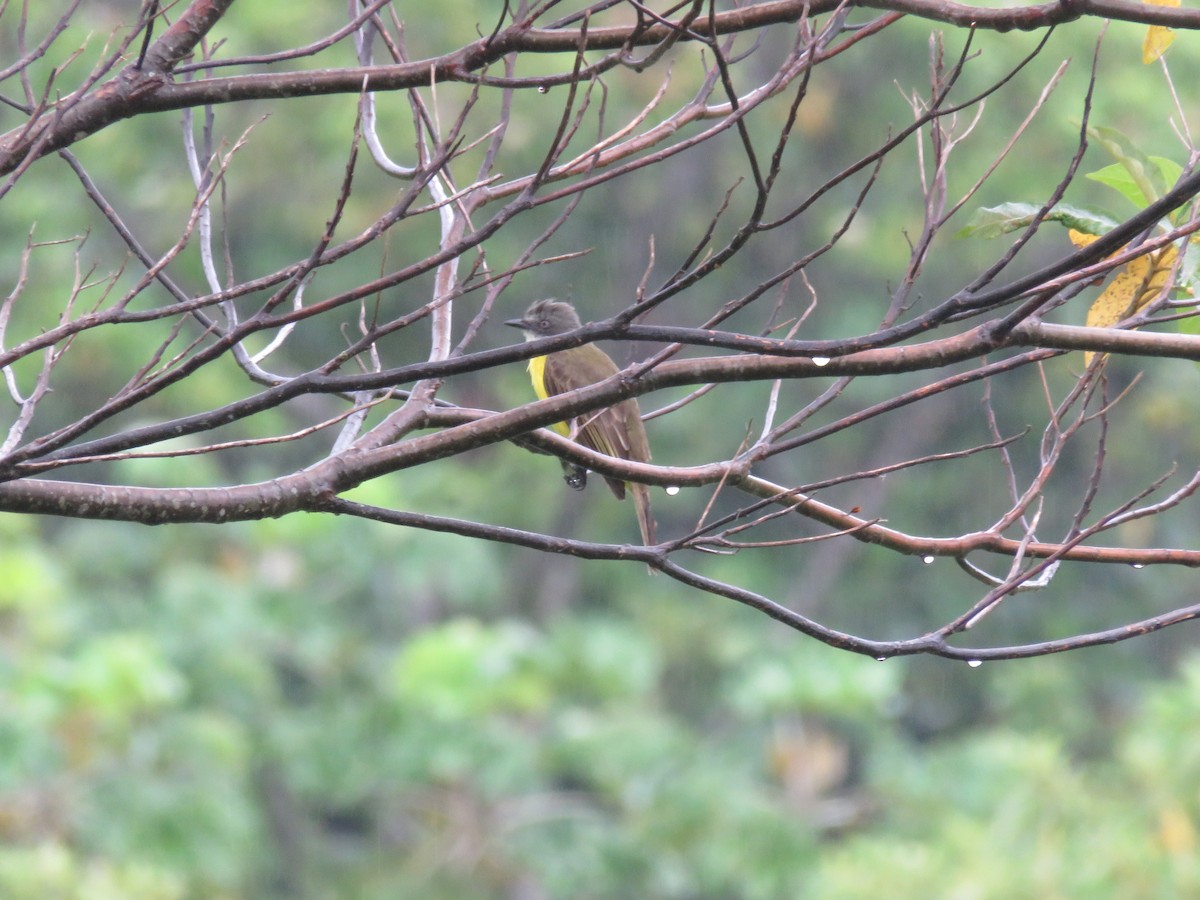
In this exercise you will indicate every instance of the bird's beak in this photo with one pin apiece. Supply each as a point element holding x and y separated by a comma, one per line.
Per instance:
<point>516,323</point>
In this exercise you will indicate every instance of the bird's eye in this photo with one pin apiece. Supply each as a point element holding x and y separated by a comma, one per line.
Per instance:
<point>543,323</point>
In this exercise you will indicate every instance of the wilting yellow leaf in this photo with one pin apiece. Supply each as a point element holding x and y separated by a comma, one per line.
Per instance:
<point>1079,238</point>
<point>1158,37</point>
<point>1135,284</point>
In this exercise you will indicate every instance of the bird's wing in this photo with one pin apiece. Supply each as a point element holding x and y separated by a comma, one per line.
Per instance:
<point>615,431</point>
<point>604,431</point>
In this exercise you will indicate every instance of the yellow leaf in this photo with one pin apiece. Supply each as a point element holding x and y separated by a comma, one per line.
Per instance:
<point>1158,37</point>
<point>1079,239</point>
<point>1136,283</point>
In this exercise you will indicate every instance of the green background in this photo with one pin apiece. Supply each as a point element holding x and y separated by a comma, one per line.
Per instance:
<point>323,707</point>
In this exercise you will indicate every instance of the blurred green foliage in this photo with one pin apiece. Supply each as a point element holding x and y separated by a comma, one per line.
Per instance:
<point>319,707</point>
<point>226,719</point>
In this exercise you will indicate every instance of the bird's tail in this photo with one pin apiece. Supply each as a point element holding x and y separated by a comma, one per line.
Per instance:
<point>641,501</point>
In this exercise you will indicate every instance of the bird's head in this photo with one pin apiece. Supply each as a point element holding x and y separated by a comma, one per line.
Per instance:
<point>545,318</point>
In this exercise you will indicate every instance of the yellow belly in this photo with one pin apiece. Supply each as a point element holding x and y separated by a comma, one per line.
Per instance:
<point>537,374</point>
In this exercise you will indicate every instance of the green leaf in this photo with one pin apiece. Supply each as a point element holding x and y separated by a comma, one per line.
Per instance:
<point>1120,180</point>
<point>1081,219</point>
<point>1143,173</point>
<point>1168,169</point>
<point>994,221</point>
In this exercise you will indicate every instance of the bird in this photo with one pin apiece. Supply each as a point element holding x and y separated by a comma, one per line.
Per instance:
<point>616,430</point>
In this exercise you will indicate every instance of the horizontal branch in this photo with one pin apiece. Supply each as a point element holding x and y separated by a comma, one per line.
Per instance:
<point>764,359</point>
<point>933,644</point>
<point>138,92</point>
<point>676,373</point>
<point>313,488</point>
<point>930,548</point>
<point>1108,340</point>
